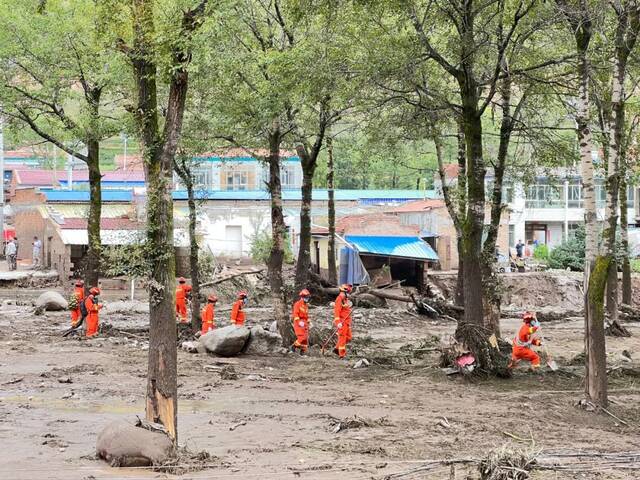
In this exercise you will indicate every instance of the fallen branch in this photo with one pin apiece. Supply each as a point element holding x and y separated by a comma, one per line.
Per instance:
<point>230,277</point>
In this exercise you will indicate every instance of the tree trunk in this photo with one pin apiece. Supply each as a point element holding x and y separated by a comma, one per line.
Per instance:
<point>196,324</point>
<point>303,265</point>
<point>159,150</point>
<point>278,231</point>
<point>331,214</point>
<point>595,271</point>
<point>462,200</point>
<point>624,236</point>
<point>94,252</point>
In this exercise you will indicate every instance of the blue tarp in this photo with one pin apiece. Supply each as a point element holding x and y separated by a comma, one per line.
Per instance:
<point>403,247</point>
<point>351,269</point>
<point>83,195</point>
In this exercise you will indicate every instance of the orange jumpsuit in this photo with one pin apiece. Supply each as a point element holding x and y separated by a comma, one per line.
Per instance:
<point>522,346</point>
<point>237,314</point>
<point>92,315</point>
<point>301,325</point>
<point>207,316</point>
<point>181,301</point>
<point>342,323</point>
<point>76,313</point>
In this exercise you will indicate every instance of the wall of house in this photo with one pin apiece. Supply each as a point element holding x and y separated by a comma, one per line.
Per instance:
<point>323,250</point>
<point>28,223</point>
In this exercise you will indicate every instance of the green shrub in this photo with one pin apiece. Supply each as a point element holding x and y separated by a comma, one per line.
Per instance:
<point>635,265</point>
<point>261,248</point>
<point>569,254</point>
<point>541,252</point>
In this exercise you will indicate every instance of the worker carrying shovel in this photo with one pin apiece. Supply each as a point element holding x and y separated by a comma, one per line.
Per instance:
<point>342,320</point>
<point>523,341</point>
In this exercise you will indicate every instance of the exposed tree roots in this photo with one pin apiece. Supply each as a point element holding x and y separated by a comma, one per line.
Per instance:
<point>492,355</point>
<point>617,330</point>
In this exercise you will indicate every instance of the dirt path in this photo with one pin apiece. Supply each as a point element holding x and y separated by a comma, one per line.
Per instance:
<point>48,429</point>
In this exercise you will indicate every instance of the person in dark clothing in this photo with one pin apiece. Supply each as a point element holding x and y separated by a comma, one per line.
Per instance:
<point>519,249</point>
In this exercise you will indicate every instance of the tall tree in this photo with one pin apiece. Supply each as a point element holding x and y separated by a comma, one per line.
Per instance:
<point>580,17</point>
<point>331,214</point>
<point>159,145</point>
<point>59,82</point>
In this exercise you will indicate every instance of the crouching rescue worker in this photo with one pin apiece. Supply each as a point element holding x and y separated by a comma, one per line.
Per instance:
<point>183,293</point>
<point>237,312</point>
<point>523,341</point>
<point>93,307</point>
<point>78,294</point>
<point>208,314</point>
<point>301,321</point>
<point>342,320</point>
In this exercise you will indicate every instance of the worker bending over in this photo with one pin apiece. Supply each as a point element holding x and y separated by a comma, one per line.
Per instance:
<point>523,341</point>
<point>93,307</point>
<point>207,315</point>
<point>342,320</point>
<point>301,321</point>
<point>237,312</point>
<point>183,293</point>
<point>78,293</point>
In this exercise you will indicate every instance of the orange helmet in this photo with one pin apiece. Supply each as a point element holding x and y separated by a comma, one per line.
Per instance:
<point>79,283</point>
<point>182,280</point>
<point>304,293</point>
<point>94,291</point>
<point>242,294</point>
<point>212,298</point>
<point>345,287</point>
<point>528,316</point>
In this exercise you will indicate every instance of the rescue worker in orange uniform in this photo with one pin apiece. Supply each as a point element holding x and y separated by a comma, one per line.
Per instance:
<point>207,315</point>
<point>342,320</point>
<point>93,307</point>
<point>237,313</point>
<point>523,341</point>
<point>183,293</point>
<point>76,313</point>
<point>301,321</point>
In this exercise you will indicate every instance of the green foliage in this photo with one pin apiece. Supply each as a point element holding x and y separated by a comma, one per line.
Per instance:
<point>541,252</point>
<point>207,265</point>
<point>261,248</point>
<point>635,265</point>
<point>570,254</point>
<point>126,260</point>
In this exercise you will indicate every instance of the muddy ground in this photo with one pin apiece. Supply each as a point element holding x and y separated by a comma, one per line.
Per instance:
<point>278,419</point>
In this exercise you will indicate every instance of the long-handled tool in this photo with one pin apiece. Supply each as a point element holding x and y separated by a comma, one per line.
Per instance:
<point>324,344</point>
<point>73,329</point>
<point>551,363</point>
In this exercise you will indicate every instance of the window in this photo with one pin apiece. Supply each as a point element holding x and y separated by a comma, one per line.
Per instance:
<point>507,194</point>
<point>202,177</point>
<point>631,196</point>
<point>545,196</point>
<point>512,235</point>
<point>288,177</point>
<point>237,180</point>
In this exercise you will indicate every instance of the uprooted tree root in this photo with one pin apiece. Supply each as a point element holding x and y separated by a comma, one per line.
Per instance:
<point>617,330</point>
<point>507,464</point>
<point>490,360</point>
<point>184,461</point>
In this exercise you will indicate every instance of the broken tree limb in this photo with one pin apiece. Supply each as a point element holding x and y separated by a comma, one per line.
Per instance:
<point>230,277</point>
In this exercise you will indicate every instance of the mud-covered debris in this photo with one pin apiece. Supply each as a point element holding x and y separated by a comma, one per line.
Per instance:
<point>338,425</point>
<point>65,380</point>
<point>362,363</point>
<point>228,372</point>
<point>185,461</point>
<point>124,445</point>
<point>507,464</point>
<point>236,425</point>
<point>191,347</point>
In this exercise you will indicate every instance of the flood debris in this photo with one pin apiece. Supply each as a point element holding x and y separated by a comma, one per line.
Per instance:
<point>507,463</point>
<point>362,363</point>
<point>355,422</point>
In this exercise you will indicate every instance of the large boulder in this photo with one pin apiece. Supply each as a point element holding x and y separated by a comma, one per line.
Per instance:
<point>127,306</point>
<point>263,342</point>
<point>124,445</point>
<point>226,341</point>
<point>51,301</point>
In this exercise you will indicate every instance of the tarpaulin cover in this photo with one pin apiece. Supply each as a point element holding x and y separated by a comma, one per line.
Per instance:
<point>351,269</point>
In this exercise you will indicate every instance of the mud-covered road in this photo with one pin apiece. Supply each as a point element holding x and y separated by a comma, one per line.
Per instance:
<point>56,394</point>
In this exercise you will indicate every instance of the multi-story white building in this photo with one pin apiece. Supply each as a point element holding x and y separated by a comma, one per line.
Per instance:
<point>547,209</point>
<point>236,170</point>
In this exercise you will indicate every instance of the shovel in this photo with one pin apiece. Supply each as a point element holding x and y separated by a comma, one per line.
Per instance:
<point>551,363</point>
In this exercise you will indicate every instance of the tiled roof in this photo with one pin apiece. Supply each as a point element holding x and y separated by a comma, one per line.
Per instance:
<point>451,170</point>
<point>418,206</point>
<point>374,224</point>
<point>244,153</point>
<point>37,177</point>
<point>105,224</point>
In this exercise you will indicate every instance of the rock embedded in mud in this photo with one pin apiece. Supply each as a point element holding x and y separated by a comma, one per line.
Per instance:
<point>226,341</point>
<point>263,342</point>
<point>124,445</point>
<point>51,301</point>
<point>191,347</point>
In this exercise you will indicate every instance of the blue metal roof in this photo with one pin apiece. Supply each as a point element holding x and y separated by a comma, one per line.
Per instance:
<point>404,247</point>
<point>108,183</point>
<point>83,195</point>
<point>362,196</point>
